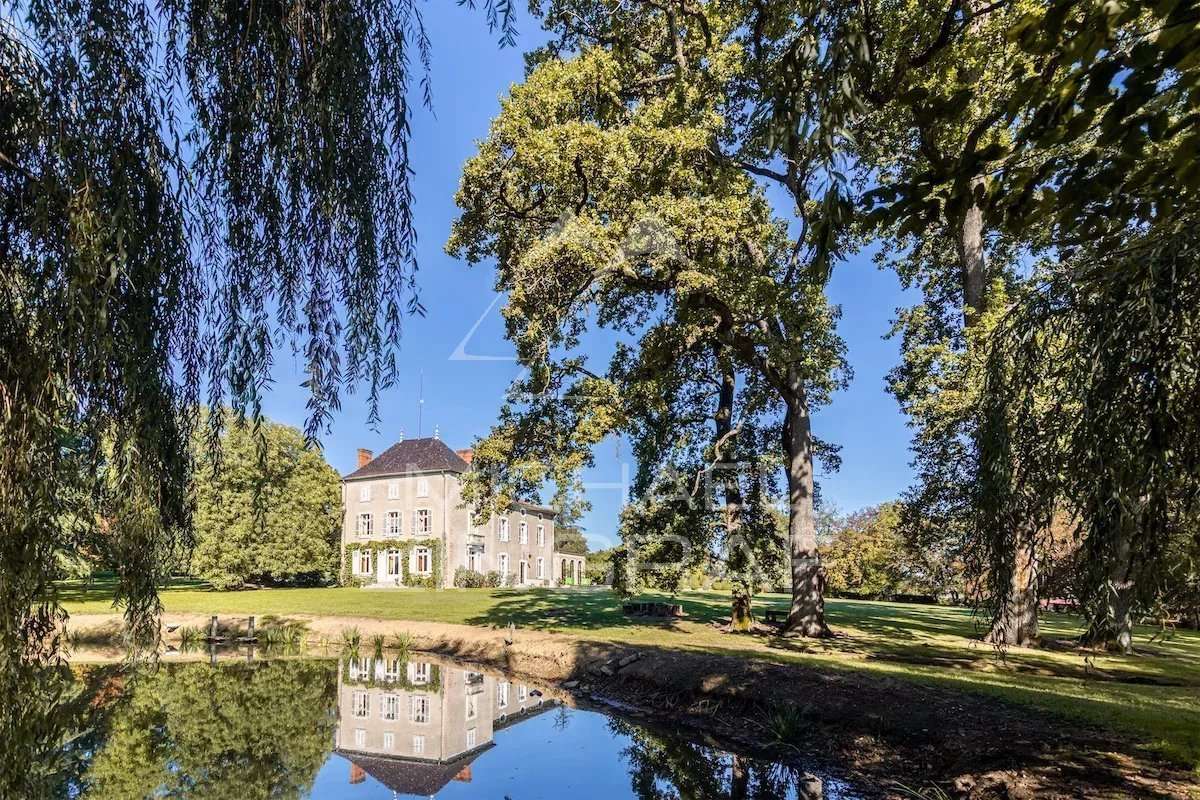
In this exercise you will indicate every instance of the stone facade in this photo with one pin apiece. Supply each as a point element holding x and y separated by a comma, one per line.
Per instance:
<point>413,493</point>
<point>415,726</point>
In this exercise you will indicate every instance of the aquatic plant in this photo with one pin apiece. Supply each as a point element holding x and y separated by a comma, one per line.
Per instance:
<point>933,792</point>
<point>190,635</point>
<point>786,724</point>
<point>403,641</point>
<point>351,639</point>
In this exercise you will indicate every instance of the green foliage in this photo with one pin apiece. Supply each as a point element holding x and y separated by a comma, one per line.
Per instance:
<point>598,194</point>
<point>403,643</point>
<point>351,639</point>
<point>868,555</point>
<point>190,635</point>
<point>379,548</point>
<point>570,540</point>
<point>270,513</point>
<point>185,188</point>
<point>599,566</point>
<point>368,672</point>
<point>275,732</point>
<point>1091,396</point>
<point>470,579</point>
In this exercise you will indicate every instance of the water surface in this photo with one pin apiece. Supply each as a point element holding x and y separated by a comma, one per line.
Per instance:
<point>375,728</point>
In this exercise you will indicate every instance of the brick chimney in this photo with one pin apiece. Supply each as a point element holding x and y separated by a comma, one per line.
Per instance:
<point>466,455</point>
<point>364,457</point>
<point>357,773</point>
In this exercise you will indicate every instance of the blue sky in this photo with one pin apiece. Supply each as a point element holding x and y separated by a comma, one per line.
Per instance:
<point>463,393</point>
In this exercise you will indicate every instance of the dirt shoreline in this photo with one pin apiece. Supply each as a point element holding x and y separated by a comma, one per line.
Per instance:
<point>877,733</point>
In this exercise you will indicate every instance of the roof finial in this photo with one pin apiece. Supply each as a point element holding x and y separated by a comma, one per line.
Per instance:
<point>402,433</point>
<point>435,431</point>
<point>420,401</point>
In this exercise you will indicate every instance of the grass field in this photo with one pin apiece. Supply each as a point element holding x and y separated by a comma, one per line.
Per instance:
<point>1154,696</point>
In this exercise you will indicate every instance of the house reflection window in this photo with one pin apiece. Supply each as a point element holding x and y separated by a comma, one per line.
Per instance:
<point>361,707</point>
<point>502,695</point>
<point>391,707</point>
<point>472,706</point>
<point>471,738</point>
<point>418,745</point>
<point>389,740</point>
<point>360,738</point>
<point>419,711</point>
<point>418,672</point>
<point>391,670</point>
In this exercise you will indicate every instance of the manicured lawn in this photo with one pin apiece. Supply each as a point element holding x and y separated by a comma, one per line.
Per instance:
<point>1154,696</point>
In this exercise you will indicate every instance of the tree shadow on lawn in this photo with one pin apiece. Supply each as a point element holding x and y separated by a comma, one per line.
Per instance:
<point>901,634</point>
<point>102,588</point>
<point>585,609</point>
<point>887,729</point>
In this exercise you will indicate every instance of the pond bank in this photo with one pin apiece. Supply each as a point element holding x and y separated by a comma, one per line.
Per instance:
<point>882,732</point>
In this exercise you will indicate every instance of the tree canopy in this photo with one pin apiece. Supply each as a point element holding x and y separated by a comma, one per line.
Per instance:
<point>272,512</point>
<point>598,192</point>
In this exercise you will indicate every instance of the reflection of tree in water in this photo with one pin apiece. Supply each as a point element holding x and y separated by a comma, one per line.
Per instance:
<point>672,768</point>
<point>51,722</point>
<point>244,731</point>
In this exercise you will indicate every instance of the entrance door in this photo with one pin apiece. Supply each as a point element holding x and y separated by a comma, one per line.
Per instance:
<point>522,571</point>
<point>473,560</point>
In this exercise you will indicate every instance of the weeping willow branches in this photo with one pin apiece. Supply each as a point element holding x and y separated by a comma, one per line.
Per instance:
<point>186,187</point>
<point>1091,402</point>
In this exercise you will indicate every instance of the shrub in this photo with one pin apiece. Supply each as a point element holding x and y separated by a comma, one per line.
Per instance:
<point>469,579</point>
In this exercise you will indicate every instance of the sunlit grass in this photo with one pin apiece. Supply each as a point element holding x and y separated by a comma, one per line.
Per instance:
<point>1154,695</point>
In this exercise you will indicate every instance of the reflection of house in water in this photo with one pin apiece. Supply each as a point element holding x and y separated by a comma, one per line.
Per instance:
<point>415,726</point>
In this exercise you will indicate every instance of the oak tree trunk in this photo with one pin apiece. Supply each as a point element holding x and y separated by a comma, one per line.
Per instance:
<point>807,614</point>
<point>1114,628</point>
<point>740,617</point>
<point>1017,622</point>
<point>973,264</point>
<point>739,779</point>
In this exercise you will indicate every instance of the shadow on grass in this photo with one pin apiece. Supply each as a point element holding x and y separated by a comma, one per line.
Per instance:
<point>584,609</point>
<point>102,589</point>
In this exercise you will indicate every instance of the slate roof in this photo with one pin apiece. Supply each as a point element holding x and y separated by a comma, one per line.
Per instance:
<point>412,455</point>
<point>409,776</point>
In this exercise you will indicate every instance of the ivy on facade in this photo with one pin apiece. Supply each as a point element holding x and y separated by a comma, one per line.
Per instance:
<point>373,678</point>
<point>431,581</point>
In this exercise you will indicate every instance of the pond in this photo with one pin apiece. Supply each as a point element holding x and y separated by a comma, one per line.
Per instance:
<point>371,728</point>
